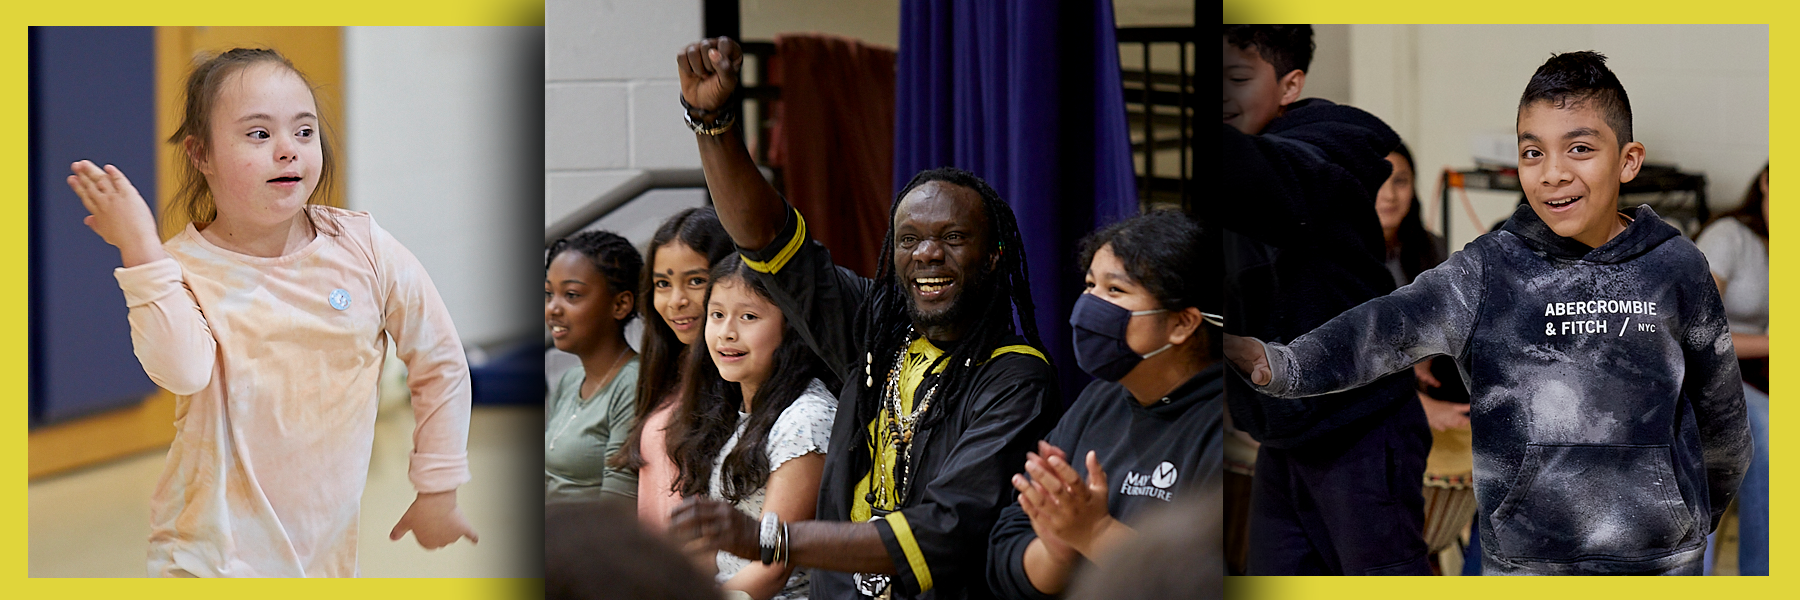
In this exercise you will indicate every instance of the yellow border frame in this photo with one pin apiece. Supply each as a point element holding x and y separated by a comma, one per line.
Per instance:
<point>14,165</point>
<point>1785,272</point>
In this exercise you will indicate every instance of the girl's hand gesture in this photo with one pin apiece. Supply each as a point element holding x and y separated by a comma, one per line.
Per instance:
<point>435,521</point>
<point>709,72</point>
<point>120,215</point>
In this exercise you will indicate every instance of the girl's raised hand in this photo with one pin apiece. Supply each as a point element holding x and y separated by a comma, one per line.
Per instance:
<point>435,521</point>
<point>119,213</point>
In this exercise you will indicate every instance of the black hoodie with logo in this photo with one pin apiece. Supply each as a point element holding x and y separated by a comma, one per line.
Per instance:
<point>1150,454</point>
<point>1609,424</point>
<point>1303,245</point>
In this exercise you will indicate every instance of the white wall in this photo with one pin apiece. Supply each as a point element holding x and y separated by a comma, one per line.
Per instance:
<point>611,95</point>
<point>442,148</point>
<point>872,21</point>
<point>1699,95</point>
<point>1330,73</point>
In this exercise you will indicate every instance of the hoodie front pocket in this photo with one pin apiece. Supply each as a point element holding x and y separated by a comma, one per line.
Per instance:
<point>1573,502</point>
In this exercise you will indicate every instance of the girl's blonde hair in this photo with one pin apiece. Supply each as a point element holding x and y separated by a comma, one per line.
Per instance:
<point>193,201</point>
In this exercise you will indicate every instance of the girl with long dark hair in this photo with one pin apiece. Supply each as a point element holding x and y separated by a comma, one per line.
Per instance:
<point>754,422</point>
<point>679,262</point>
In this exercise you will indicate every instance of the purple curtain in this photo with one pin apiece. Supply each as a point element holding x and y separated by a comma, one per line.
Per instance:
<point>1027,95</point>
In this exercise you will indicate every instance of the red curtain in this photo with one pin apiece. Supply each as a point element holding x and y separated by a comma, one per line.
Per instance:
<point>834,140</point>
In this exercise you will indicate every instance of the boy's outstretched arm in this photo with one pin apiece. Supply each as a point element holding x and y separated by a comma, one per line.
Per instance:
<point>1434,315</point>
<point>1715,386</point>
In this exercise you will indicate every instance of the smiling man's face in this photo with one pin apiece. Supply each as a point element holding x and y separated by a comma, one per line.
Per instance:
<point>941,255</point>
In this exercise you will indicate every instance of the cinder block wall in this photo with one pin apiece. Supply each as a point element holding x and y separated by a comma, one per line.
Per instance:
<point>611,95</point>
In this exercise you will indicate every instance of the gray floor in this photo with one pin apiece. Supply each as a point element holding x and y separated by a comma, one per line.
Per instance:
<point>94,522</point>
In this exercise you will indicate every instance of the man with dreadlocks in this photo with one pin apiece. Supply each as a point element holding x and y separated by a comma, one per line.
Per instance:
<point>942,399</point>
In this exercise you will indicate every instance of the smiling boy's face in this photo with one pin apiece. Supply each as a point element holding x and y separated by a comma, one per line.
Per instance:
<point>1254,94</point>
<point>1571,165</point>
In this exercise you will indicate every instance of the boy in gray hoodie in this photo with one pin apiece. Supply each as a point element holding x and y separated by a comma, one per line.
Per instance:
<point>1609,425</point>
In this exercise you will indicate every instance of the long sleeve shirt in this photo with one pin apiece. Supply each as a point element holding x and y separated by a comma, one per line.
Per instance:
<point>274,362</point>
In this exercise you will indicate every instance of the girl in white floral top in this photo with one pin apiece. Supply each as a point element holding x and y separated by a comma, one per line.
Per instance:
<point>754,423</point>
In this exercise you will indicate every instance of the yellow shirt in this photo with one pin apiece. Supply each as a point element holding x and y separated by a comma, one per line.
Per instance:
<point>920,354</point>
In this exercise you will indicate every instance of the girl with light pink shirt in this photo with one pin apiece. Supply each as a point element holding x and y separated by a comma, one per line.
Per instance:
<point>677,271</point>
<point>268,316</point>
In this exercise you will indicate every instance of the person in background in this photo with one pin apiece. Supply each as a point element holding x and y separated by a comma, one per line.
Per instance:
<point>589,283</point>
<point>1449,471</point>
<point>1303,245</point>
<point>1736,245</point>
<point>595,550</point>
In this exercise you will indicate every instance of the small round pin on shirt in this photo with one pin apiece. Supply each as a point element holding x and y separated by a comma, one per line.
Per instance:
<point>339,298</point>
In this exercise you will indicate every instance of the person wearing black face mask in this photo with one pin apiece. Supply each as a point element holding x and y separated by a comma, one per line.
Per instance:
<point>1148,431</point>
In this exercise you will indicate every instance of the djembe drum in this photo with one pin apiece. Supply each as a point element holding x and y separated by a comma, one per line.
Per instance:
<point>1449,488</point>
<point>1240,471</point>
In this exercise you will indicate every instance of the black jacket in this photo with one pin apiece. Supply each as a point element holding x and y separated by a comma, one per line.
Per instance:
<point>1609,420</point>
<point>962,467</point>
<point>1304,244</point>
<point>1150,454</point>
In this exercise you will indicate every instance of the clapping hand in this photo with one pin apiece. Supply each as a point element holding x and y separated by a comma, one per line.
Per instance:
<point>1066,511</point>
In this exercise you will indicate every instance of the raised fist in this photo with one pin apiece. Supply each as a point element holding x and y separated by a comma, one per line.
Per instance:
<point>709,72</point>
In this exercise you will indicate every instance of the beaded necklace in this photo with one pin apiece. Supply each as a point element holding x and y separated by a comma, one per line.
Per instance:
<point>899,427</point>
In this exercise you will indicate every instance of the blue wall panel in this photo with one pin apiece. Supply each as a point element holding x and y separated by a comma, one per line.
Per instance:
<point>92,97</point>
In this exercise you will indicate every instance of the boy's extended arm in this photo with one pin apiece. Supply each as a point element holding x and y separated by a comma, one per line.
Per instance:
<point>1715,386</point>
<point>1433,315</point>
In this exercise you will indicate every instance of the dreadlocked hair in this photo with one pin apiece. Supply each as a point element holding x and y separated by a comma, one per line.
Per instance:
<point>659,364</point>
<point>1002,292</point>
<point>612,255</point>
<point>708,413</point>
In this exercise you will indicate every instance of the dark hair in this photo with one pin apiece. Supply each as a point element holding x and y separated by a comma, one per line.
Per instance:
<point>1574,78</point>
<point>708,413</point>
<point>1171,256</point>
<point>882,321</point>
<point>1751,212</point>
<point>1288,47</point>
<point>659,366</point>
<point>612,255</point>
<point>1418,250</point>
<point>193,200</point>
<point>596,550</point>
<point>1160,250</point>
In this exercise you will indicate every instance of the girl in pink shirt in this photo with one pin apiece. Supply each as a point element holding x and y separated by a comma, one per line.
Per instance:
<point>268,316</point>
<point>680,258</point>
